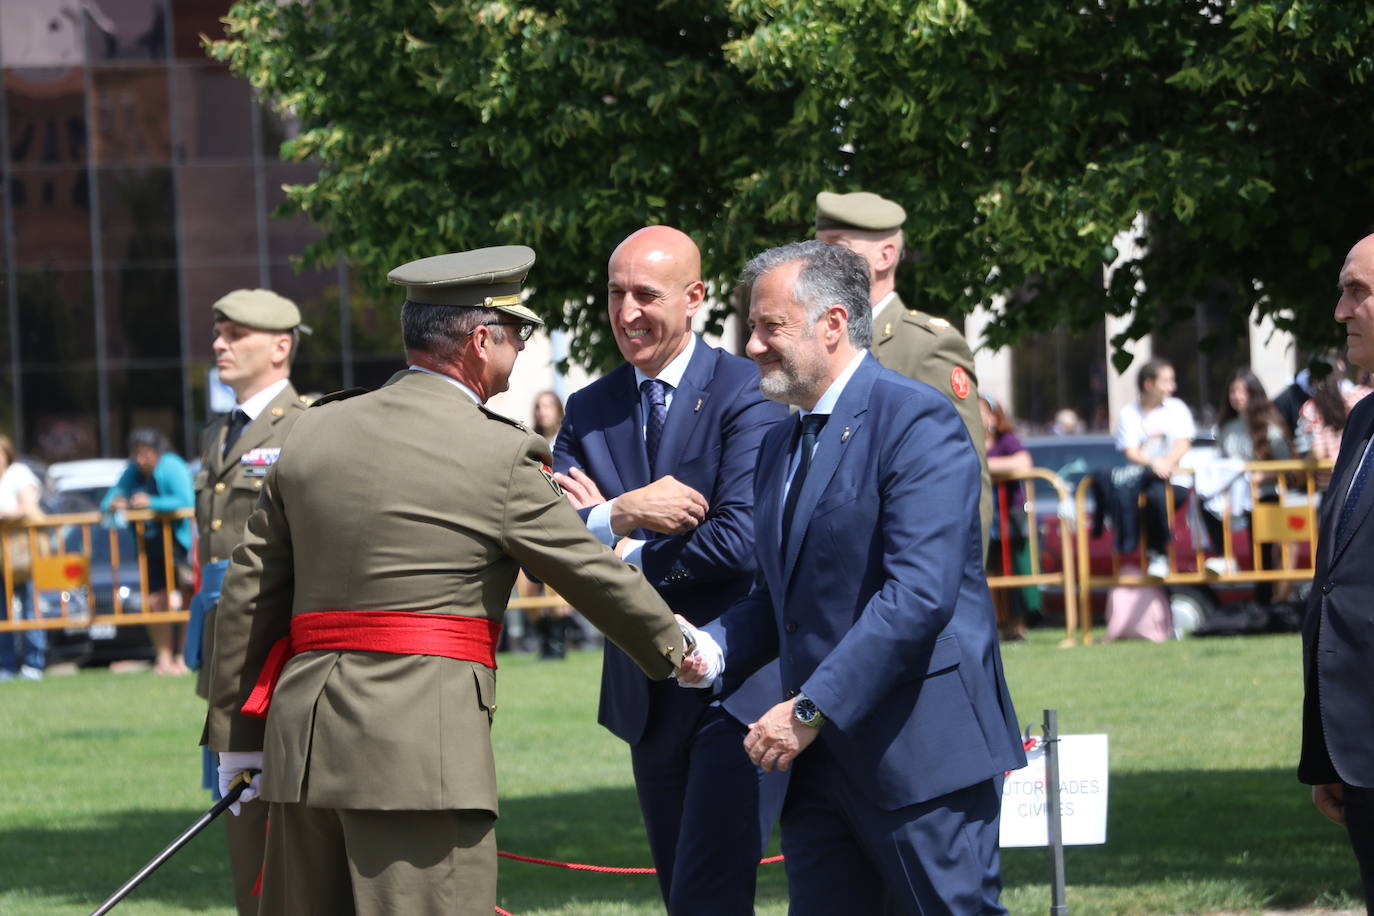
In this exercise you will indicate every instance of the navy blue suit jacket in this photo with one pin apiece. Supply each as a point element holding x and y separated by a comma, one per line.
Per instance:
<point>1338,703</point>
<point>710,442</point>
<point>879,610</point>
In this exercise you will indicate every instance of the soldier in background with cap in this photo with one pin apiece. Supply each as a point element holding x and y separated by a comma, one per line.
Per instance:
<point>382,555</point>
<point>919,346</point>
<point>256,333</point>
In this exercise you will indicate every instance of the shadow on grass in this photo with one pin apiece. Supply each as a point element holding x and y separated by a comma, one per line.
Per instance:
<point>1253,829</point>
<point>83,864</point>
<point>596,827</point>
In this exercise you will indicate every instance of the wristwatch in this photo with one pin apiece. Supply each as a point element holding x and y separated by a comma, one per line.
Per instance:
<point>806,712</point>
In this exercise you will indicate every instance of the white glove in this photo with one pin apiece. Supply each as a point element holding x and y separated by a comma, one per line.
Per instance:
<point>231,764</point>
<point>707,651</point>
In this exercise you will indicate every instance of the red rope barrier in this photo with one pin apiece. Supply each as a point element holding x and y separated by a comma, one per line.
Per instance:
<point>602,869</point>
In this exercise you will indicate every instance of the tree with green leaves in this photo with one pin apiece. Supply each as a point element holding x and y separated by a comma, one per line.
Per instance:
<point>1022,138</point>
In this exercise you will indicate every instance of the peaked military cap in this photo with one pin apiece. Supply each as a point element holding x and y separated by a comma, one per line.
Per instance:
<point>484,278</point>
<point>261,309</point>
<point>859,210</point>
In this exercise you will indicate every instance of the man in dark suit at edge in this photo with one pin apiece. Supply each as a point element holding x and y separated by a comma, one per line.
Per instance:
<point>1338,642</point>
<point>871,593</point>
<point>658,455</point>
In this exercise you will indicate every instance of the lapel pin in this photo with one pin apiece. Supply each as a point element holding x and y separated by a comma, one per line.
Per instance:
<point>697,409</point>
<point>887,329</point>
<point>844,436</point>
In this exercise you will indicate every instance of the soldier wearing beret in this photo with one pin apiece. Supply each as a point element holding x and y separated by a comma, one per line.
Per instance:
<point>918,345</point>
<point>356,637</point>
<point>256,333</point>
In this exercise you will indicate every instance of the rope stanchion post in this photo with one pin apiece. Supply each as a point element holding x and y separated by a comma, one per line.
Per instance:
<point>1056,831</point>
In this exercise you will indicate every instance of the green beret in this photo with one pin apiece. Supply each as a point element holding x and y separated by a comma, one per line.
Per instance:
<point>261,309</point>
<point>484,278</point>
<point>859,210</point>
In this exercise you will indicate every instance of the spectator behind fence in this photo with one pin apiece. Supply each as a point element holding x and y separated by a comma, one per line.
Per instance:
<point>22,654</point>
<point>1007,543</point>
<point>1155,434</point>
<point>1067,422</point>
<point>1322,418</point>
<point>1338,692</point>
<point>1250,428</point>
<point>158,479</point>
<point>551,624</point>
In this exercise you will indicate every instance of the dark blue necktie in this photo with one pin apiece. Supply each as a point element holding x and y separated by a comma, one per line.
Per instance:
<point>811,426</point>
<point>657,393</point>
<point>1356,487</point>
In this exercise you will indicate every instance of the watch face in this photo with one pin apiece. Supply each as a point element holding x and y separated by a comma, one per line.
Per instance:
<point>806,711</point>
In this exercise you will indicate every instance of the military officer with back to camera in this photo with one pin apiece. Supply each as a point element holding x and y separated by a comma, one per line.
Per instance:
<point>256,333</point>
<point>919,346</point>
<point>382,555</point>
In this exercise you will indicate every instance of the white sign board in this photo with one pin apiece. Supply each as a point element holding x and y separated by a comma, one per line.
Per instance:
<point>1082,795</point>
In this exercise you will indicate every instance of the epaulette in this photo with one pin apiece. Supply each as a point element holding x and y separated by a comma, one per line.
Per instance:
<point>929,322</point>
<point>307,399</point>
<point>502,417</point>
<point>336,396</point>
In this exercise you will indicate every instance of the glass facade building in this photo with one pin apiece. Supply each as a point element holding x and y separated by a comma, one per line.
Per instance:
<point>138,184</point>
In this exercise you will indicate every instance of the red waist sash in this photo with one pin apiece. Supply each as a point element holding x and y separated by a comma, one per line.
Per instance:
<point>471,639</point>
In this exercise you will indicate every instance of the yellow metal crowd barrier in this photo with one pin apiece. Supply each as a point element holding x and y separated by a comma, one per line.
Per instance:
<point>44,551</point>
<point>57,550</point>
<point>1286,519</point>
<point>1002,548</point>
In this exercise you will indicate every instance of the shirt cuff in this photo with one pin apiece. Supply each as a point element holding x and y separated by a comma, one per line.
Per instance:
<point>633,553</point>
<point>599,523</point>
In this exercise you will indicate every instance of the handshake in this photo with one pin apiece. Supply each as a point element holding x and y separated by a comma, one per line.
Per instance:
<point>703,662</point>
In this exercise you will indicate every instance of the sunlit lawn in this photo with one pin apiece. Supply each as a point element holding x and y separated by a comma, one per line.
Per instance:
<point>99,771</point>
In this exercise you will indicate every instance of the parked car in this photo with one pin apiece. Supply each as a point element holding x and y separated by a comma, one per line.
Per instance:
<point>1073,458</point>
<point>77,487</point>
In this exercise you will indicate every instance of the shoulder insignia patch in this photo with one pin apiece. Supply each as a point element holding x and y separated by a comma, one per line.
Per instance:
<point>959,382</point>
<point>548,475</point>
<point>338,396</point>
<point>939,323</point>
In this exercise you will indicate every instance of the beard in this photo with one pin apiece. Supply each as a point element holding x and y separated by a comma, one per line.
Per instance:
<point>800,375</point>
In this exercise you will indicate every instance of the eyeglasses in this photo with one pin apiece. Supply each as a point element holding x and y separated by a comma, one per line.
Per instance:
<point>524,330</point>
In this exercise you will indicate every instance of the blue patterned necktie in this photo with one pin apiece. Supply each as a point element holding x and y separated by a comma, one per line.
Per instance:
<point>811,426</point>
<point>1356,487</point>
<point>657,393</point>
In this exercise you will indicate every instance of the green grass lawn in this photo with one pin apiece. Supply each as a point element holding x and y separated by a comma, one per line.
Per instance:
<point>99,771</point>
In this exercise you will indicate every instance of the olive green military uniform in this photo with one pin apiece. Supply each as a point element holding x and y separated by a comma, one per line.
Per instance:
<point>908,341</point>
<point>227,491</point>
<point>379,767</point>
<point>931,350</point>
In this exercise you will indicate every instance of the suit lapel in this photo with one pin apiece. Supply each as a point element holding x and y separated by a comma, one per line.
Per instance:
<point>690,400</point>
<point>772,466</point>
<point>834,440</point>
<point>1362,505</point>
<point>624,433</point>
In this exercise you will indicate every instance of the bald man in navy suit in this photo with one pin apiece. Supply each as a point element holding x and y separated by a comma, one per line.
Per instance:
<point>659,456</point>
